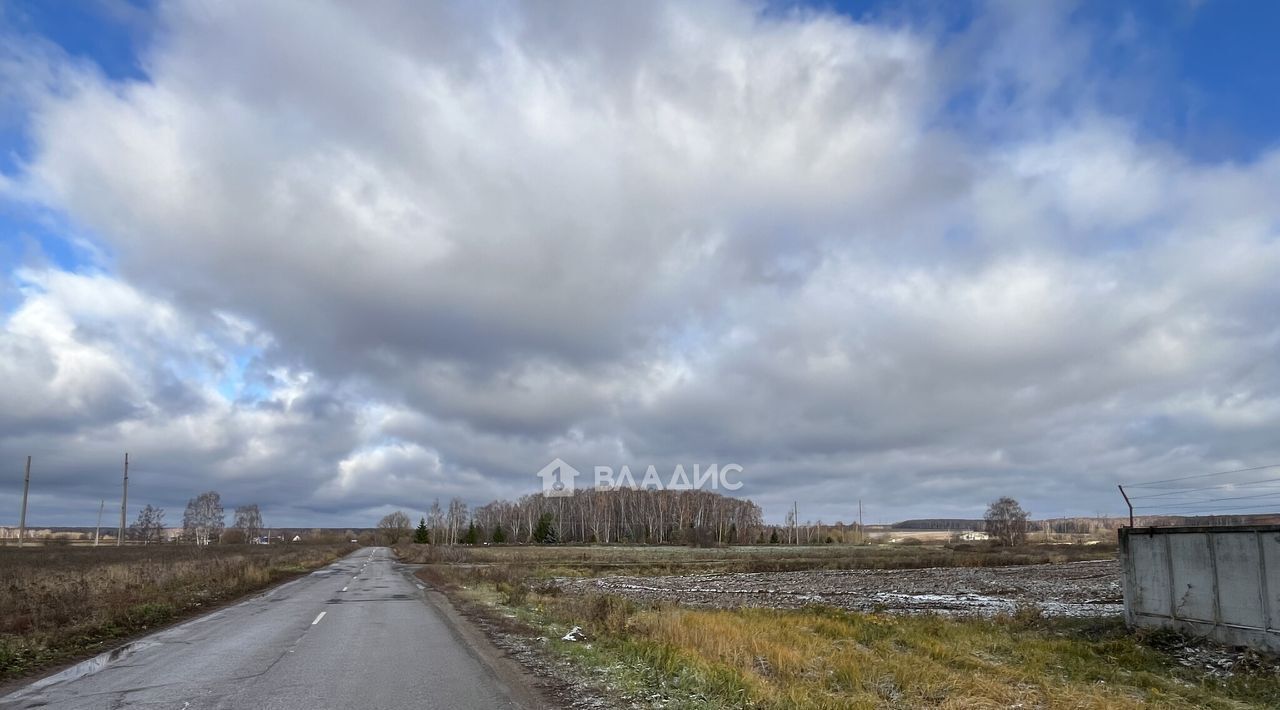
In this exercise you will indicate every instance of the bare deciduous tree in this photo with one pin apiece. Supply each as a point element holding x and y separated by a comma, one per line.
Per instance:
<point>455,518</point>
<point>435,521</point>
<point>149,527</point>
<point>1007,522</point>
<point>394,527</point>
<point>248,521</point>
<point>204,519</point>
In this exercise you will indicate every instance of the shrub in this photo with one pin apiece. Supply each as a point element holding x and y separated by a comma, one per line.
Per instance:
<point>513,593</point>
<point>607,614</point>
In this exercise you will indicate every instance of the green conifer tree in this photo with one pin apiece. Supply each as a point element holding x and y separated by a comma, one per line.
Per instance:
<point>545,532</point>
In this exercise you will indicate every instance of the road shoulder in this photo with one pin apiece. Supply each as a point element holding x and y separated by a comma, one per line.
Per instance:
<point>558,681</point>
<point>526,688</point>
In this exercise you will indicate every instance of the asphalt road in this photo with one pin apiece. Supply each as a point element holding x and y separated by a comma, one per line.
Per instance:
<point>356,634</point>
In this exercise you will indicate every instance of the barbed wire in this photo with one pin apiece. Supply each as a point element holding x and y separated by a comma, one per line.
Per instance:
<point>1156,484</point>
<point>1191,499</point>
<point>1182,491</point>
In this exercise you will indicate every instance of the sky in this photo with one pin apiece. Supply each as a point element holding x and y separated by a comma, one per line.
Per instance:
<point>339,259</point>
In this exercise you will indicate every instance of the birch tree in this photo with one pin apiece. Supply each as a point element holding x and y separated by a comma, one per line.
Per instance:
<point>1007,521</point>
<point>204,519</point>
<point>248,520</point>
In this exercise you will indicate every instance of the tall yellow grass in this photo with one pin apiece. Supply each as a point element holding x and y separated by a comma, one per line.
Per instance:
<point>824,658</point>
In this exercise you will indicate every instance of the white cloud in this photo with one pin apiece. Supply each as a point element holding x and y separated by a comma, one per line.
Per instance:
<point>453,242</point>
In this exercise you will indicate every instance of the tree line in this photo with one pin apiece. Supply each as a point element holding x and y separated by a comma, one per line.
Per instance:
<point>646,516</point>
<point>615,515</point>
<point>203,522</point>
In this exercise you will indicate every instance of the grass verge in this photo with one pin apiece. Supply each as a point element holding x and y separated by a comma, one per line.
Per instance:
<point>819,657</point>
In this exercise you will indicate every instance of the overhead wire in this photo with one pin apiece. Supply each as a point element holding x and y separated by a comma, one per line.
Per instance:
<point>1149,484</point>
<point>1258,495</point>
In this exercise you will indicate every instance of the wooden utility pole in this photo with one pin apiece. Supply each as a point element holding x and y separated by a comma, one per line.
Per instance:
<point>861,534</point>
<point>124,501</point>
<point>97,532</point>
<point>795,523</point>
<point>22,521</point>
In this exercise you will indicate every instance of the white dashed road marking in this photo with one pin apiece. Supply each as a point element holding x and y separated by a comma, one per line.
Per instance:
<point>318,618</point>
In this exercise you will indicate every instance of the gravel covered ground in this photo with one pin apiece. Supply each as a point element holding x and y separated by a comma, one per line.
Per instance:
<point>1072,589</point>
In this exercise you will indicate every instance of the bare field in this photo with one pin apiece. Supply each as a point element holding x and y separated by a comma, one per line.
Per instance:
<point>647,561</point>
<point>1080,589</point>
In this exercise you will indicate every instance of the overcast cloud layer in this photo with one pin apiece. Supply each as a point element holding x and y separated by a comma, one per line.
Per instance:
<point>342,258</point>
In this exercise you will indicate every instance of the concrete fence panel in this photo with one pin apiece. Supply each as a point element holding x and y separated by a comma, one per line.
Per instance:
<point>1220,582</point>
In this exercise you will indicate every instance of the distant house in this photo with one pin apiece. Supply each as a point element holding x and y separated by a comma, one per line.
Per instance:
<point>974,536</point>
<point>297,538</point>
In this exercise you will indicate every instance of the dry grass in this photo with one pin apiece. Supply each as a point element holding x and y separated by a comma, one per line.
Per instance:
<point>817,657</point>
<point>824,658</point>
<point>58,603</point>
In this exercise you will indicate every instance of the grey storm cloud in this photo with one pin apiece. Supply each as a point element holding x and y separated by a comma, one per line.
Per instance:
<point>355,257</point>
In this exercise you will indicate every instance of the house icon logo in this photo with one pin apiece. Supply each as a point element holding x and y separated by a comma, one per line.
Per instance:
<point>558,479</point>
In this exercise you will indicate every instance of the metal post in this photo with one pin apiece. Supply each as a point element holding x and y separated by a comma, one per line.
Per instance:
<point>97,532</point>
<point>1263,594</point>
<point>124,501</point>
<point>22,522</point>
<point>1126,502</point>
